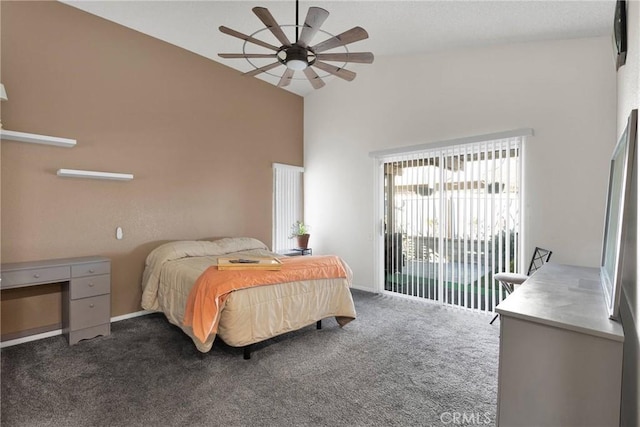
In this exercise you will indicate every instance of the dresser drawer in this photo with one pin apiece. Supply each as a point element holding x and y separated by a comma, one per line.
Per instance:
<point>87,312</point>
<point>84,287</point>
<point>14,279</point>
<point>90,269</point>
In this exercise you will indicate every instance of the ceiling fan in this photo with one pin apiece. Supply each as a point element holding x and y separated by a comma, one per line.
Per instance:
<point>299,56</point>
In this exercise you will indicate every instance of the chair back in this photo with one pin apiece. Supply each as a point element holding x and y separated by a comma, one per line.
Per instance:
<point>540,257</point>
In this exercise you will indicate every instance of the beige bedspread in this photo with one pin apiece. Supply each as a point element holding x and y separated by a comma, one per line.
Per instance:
<point>250,315</point>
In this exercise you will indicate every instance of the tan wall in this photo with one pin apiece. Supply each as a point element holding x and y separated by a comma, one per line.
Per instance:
<point>199,138</point>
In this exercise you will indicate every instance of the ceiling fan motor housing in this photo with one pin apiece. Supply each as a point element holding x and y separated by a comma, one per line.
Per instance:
<point>296,57</point>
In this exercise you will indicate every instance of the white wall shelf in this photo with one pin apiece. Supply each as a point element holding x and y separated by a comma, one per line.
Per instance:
<point>74,173</point>
<point>10,135</point>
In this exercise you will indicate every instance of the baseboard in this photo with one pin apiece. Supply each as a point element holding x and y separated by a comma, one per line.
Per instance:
<point>30,338</point>
<point>361,288</point>
<point>131,315</point>
<point>29,332</point>
<point>53,333</point>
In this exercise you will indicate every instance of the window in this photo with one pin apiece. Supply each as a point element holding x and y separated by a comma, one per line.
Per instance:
<point>451,218</point>
<point>287,203</point>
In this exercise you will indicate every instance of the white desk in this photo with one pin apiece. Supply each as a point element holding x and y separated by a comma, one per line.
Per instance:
<point>86,294</point>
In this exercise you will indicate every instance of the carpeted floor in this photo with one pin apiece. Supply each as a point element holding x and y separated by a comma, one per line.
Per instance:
<point>400,363</point>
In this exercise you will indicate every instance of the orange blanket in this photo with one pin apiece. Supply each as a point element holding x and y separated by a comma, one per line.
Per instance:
<point>212,288</point>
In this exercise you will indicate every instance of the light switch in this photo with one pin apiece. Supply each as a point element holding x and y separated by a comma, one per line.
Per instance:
<point>119,233</point>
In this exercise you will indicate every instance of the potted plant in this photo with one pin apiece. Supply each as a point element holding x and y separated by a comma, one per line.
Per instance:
<point>300,231</point>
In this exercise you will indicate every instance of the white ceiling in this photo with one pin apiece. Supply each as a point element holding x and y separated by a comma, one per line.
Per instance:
<point>394,27</point>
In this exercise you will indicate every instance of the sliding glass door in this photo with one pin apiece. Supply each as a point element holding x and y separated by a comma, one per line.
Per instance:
<point>452,218</point>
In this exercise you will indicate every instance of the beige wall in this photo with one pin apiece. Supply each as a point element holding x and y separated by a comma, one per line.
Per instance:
<point>199,138</point>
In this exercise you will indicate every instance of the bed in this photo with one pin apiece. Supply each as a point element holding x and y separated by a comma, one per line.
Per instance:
<point>249,315</point>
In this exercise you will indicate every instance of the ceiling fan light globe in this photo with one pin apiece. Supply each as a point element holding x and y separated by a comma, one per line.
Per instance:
<point>296,64</point>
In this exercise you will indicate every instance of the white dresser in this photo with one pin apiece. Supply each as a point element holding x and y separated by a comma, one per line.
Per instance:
<point>560,354</point>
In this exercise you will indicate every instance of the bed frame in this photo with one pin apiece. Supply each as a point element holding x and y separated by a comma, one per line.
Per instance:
<point>246,350</point>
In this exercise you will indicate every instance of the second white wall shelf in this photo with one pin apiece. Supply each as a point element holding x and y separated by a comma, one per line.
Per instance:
<point>10,135</point>
<point>75,173</point>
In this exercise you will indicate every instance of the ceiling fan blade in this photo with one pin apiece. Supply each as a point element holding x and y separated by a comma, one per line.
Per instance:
<point>360,57</point>
<point>269,21</point>
<point>336,71</point>
<point>312,23</point>
<point>350,36</point>
<point>262,69</point>
<point>313,77</point>
<point>286,78</point>
<point>245,37</point>
<point>246,55</point>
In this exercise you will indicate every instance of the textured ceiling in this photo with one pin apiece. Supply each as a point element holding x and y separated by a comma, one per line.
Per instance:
<point>394,27</point>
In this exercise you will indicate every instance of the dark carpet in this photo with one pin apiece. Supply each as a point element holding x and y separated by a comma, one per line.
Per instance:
<point>400,363</point>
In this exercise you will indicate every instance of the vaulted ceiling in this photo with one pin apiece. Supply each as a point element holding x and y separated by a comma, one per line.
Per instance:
<point>394,27</point>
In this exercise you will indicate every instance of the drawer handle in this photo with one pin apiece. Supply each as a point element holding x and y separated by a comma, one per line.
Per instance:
<point>91,305</point>
<point>90,285</point>
<point>36,276</point>
<point>92,271</point>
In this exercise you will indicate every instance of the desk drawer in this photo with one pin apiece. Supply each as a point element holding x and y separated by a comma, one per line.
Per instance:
<point>16,279</point>
<point>87,312</point>
<point>91,269</point>
<point>84,287</point>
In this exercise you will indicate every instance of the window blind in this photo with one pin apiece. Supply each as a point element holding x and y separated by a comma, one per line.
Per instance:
<point>452,219</point>
<point>287,203</point>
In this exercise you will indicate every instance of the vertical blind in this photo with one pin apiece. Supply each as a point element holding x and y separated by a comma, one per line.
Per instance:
<point>452,219</point>
<point>287,203</point>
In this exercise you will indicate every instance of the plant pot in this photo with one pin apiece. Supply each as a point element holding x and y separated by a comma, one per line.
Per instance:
<point>303,241</point>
